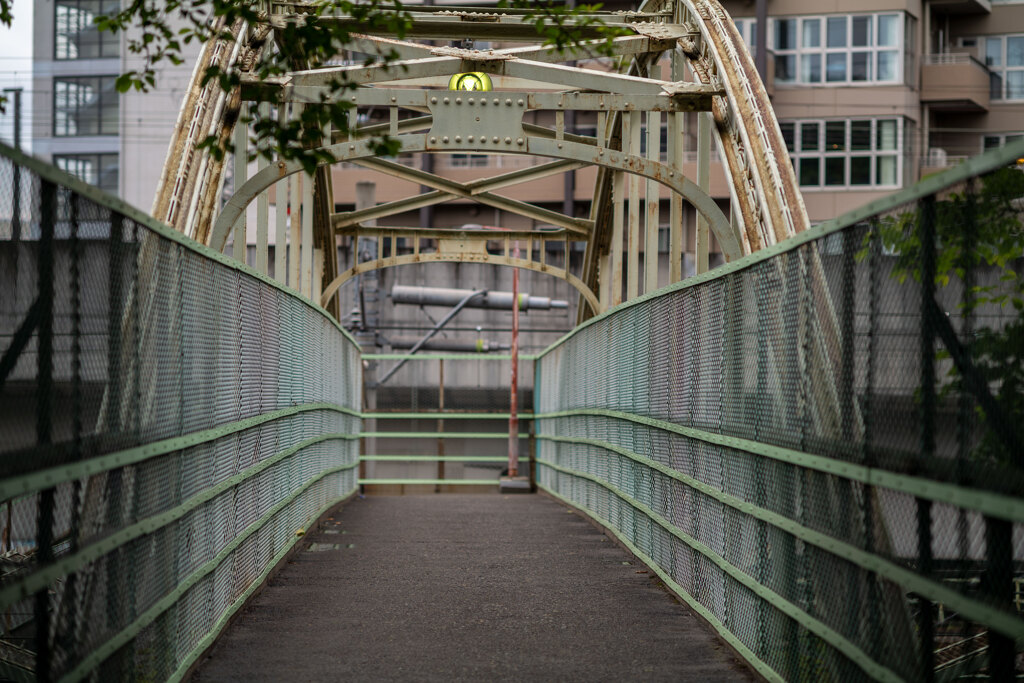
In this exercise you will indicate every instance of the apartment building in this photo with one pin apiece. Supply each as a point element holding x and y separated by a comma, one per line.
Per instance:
<point>80,122</point>
<point>870,96</point>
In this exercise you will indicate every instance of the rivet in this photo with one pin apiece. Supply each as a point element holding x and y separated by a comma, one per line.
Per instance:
<point>671,174</point>
<point>472,101</point>
<point>559,145</point>
<point>433,140</point>
<point>458,138</point>
<point>519,141</point>
<point>519,102</point>
<point>494,139</point>
<point>444,139</point>
<point>469,138</point>
<point>508,141</point>
<point>280,164</point>
<point>496,101</point>
<point>351,148</point>
<point>353,98</point>
<point>508,101</point>
<point>600,152</point>
<point>446,100</point>
<point>433,100</point>
<point>458,100</point>
<point>483,101</point>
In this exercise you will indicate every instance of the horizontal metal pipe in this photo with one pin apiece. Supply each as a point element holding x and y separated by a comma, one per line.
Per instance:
<point>458,345</point>
<point>442,296</point>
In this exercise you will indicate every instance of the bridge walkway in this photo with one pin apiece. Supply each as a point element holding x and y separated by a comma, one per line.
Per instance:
<point>465,587</point>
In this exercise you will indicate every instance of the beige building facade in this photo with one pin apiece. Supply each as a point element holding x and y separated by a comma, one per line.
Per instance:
<point>80,122</point>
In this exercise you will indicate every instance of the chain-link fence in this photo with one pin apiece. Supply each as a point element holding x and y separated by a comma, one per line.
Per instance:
<point>170,422</point>
<point>437,421</point>
<point>820,448</point>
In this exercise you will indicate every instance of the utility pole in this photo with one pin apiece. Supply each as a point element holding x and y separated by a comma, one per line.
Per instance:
<point>761,38</point>
<point>16,204</point>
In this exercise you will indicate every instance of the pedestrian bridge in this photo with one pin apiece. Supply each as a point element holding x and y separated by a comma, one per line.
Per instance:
<point>827,502</point>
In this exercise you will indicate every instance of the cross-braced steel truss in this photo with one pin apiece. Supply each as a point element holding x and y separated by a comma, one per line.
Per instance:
<point>524,115</point>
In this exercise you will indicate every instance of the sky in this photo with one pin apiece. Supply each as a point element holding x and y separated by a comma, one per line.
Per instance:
<point>16,67</point>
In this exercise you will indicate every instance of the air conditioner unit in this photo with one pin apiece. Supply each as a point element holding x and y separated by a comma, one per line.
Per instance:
<point>936,157</point>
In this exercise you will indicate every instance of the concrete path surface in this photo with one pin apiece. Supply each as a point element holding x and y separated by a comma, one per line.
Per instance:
<point>466,587</point>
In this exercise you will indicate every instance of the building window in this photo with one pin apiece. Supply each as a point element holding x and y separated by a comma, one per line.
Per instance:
<point>845,153</point>
<point>748,31</point>
<point>75,33</point>
<point>100,170</point>
<point>85,106</point>
<point>1004,57</point>
<point>838,49</point>
<point>467,161</point>
<point>997,140</point>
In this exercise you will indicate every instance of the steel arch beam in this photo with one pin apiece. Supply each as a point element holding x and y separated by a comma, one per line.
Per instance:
<point>559,149</point>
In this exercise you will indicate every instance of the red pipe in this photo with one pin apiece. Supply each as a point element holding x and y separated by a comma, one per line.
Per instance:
<point>513,416</point>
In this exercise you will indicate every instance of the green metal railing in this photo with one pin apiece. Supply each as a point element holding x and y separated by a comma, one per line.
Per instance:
<point>170,423</point>
<point>441,420</point>
<point>819,447</point>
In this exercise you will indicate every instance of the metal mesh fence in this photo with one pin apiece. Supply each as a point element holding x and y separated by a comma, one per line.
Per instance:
<point>820,448</point>
<point>169,424</point>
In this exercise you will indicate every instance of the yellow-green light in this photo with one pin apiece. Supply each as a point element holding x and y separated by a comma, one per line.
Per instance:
<point>471,80</point>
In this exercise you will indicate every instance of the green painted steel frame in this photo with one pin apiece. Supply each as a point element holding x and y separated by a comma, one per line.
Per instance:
<point>992,504</point>
<point>150,615</point>
<point>987,503</point>
<point>973,609</point>
<point>40,579</point>
<point>42,479</point>
<point>221,622</point>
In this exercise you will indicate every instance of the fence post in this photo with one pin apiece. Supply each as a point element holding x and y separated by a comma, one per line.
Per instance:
<point>926,622</point>
<point>44,413</point>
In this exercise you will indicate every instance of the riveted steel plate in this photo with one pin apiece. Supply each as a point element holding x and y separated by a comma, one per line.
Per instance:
<point>491,121</point>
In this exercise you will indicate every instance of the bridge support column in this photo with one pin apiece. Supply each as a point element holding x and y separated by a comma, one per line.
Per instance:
<point>653,198</point>
<point>703,246</point>
<point>615,261</point>
<point>633,264</point>
<point>241,142</point>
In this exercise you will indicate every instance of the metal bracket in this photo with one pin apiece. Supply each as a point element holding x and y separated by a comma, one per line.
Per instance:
<point>465,119</point>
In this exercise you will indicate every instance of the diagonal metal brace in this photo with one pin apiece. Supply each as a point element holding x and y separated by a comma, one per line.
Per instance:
<point>975,382</point>
<point>438,326</point>
<point>19,342</point>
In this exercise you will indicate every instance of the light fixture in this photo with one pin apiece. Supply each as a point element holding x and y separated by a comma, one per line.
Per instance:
<point>471,80</point>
